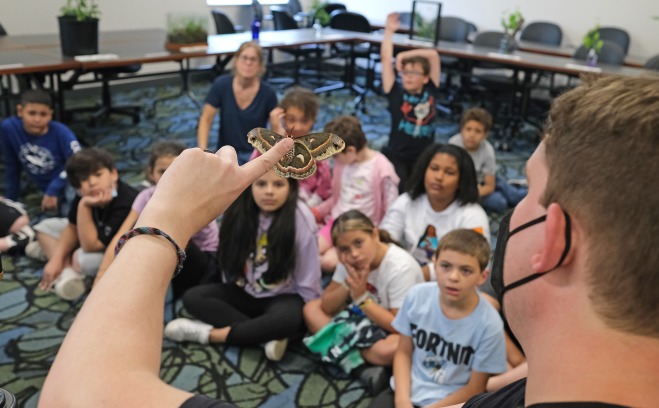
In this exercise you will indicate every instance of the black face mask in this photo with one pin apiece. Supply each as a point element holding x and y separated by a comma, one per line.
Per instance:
<point>500,251</point>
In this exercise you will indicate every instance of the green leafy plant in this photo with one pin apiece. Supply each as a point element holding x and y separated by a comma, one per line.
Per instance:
<point>592,40</point>
<point>80,9</point>
<point>187,30</point>
<point>512,22</point>
<point>319,13</point>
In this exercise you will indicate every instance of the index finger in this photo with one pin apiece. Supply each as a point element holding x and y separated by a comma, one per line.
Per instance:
<point>254,169</point>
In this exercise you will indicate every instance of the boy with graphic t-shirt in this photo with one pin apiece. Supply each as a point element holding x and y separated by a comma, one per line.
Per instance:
<point>411,103</point>
<point>451,338</point>
<point>33,142</point>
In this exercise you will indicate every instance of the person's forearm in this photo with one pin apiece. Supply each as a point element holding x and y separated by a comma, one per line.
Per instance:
<point>334,299</point>
<point>403,371</point>
<point>67,242</point>
<point>203,134</point>
<point>87,232</point>
<point>379,315</point>
<point>136,353</point>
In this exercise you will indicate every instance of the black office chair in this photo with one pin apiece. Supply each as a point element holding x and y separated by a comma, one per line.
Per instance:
<point>332,7</point>
<point>652,63</point>
<point>499,88</point>
<point>542,32</point>
<point>472,30</point>
<point>223,24</point>
<point>2,31</point>
<point>452,29</point>
<point>284,21</point>
<point>611,53</point>
<point>346,20</point>
<point>616,35</point>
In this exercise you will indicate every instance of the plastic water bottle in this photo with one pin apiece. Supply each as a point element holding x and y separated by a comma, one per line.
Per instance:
<point>256,28</point>
<point>319,29</point>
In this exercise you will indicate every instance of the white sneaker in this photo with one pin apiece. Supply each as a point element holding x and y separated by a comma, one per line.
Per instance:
<point>275,349</point>
<point>34,250</point>
<point>183,329</point>
<point>70,285</point>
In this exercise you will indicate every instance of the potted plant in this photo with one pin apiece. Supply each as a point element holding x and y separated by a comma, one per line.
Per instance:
<point>511,24</point>
<point>593,43</point>
<point>184,30</point>
<point>319,14</point>
<point>78,27</point>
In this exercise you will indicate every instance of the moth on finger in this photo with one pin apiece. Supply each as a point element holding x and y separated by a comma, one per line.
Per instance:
<point>300,161</point>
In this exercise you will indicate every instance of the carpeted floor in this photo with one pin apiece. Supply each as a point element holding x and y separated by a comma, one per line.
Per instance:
<point>33,323</point>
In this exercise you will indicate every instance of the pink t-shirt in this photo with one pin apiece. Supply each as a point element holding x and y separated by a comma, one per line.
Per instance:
<point>207,239</point>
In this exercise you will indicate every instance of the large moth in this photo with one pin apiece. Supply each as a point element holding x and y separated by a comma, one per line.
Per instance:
<point>299,162</point>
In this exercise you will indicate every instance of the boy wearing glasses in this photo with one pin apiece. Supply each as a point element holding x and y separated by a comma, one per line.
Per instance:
<point>411,102</point>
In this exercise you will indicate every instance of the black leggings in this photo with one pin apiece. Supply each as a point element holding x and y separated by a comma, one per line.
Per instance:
<point>253,320</point>
<point>385,399</point>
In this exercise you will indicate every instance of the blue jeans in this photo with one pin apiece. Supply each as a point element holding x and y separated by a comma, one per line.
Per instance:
<point>503,196</point>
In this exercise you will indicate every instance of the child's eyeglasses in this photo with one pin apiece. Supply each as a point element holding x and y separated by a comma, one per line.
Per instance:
<point>411,73</point>
<point>245,58</point>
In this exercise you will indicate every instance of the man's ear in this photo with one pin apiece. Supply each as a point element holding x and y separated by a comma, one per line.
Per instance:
<point>555,242</point>
<point>115,175</point>
<point>19,110</point>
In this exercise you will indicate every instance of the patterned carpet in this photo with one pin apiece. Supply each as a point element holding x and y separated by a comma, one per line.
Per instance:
<point>33,323</point>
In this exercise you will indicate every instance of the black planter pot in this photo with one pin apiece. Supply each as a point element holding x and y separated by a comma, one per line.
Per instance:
<point>78,37</point>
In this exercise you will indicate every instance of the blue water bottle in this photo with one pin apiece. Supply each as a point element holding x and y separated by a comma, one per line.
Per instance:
<point>256,28</point>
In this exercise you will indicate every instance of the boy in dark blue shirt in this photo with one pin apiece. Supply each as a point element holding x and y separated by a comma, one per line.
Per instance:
<point>33,142</point>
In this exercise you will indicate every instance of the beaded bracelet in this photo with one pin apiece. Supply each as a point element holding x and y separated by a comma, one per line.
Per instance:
<point>152,231</point>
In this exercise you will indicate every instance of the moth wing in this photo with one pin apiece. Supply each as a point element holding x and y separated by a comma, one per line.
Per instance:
<point>322,145</point>
<point>263,139</point>
<point>298,164</point>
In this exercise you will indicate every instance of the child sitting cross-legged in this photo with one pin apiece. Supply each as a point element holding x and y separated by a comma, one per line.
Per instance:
<point>352,319</point>
<point>451,337</point>
<point>363,179</point>
<point>494,191</point>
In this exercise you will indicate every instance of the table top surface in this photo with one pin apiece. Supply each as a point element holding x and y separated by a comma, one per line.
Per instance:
<point>35,53</point>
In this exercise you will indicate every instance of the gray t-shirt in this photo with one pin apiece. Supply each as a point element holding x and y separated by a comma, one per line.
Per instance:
<point>484,158</point>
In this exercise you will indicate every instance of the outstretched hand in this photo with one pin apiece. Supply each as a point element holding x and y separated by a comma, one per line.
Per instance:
<point>200,185</point>
<point>393,22</point>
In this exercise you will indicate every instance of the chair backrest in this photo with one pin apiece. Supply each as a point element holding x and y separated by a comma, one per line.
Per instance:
<point>453,29</point>
<point>2,31</point>
<point>616,35</point>
<point>332,7</point>
<point>542,32</point>
<point>652,63</point>
<point>282,20</point>
<point>489,39</point>
<point>471,28</point>
<point>294,7</point>
<point>347,20</point>
<point>223,24</point>
<point>611,54</point>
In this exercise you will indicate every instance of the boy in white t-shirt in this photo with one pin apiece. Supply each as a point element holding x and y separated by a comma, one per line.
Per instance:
<point>451,338</point>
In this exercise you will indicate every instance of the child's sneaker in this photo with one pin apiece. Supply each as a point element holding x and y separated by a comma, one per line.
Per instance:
<point>183,329</point>
<point>275,349</point>
<point>34,250</point>
<point>20,239</point>
<point>70,285</point>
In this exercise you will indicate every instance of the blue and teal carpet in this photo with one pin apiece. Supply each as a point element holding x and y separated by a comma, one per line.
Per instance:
<point>33,323</point>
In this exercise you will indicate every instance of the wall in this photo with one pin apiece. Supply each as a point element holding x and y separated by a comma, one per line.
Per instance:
<point>575,17</point>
